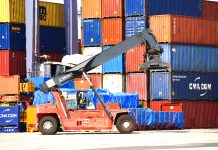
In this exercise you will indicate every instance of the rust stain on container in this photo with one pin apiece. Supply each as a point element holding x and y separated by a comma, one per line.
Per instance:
<point>96,80</point>
<point>210,9</point>
<point>134,58</point>
<point>137,82</point>
<point>91,9</point>
<point>112,31</point>
<point>10,85</point>
<point>12,62</point>
<point>112,8</point>
<point>182,29</point>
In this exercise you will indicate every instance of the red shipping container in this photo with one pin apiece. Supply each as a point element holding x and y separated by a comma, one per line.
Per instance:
<point>91,9</point>
<point>210,9</point>
<point>137,82</point>
<point>134,58</point>
<point>182,29</point>
<point>12,62</point>
<point>112,31</point>
<point>177,107</point>
<point>112,8</point>
<point>96,80</point>
<point>53,56</point>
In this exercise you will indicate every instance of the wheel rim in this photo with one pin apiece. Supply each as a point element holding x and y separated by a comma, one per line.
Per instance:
<point>126,124</point>
<point>47,125</point>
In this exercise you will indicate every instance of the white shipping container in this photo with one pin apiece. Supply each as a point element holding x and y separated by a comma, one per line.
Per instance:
<point>114,82</point>
<point>92,51</point>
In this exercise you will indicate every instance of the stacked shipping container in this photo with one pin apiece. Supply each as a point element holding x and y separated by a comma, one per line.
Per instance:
<point>103,28</point>
<point>12,34</point>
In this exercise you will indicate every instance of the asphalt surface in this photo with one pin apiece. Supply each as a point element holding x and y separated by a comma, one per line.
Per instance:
<point>198,139</point>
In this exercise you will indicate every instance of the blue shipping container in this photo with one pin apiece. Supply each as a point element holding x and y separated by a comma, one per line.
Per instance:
<point>12,37</point>
<point>92,32</point>
<point>52,40</point>
<point>134,25</point>
<point>184,86</point>
<point>115,65</point>
<point>191,57</point>
<point>160,7</point>
<point>10,116</point>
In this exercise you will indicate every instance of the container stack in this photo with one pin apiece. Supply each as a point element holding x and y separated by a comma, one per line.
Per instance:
<point>103,28</point>
<point>190,47</point>
<point>12,34</point>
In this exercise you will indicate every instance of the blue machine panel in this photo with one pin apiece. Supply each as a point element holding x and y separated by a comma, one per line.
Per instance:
<point>10,116</point>
<point>92,32</point>
<point>115,65</point>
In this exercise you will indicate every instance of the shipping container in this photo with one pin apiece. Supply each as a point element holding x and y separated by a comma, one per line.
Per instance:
<point>137,82</point>
<point>50,14</point>
<point>134,25</point>
<point>53,56</point>
<point>157,7</point>
<point>9,85</point>
<point>81,83</point>
<point>12,36</point>
<point>92,32</point>
<point>9,129</point>
<point>112,31</point>
<point>92,51</point>
<point>210,9</point>
<point>10,116</point>
<point>187,30</point>
<point>112,8</point>
<point>114,82</point>
<point>134,58</point>
<point>115,65</point>
<point>52,40</point>
<point>197,114</point>
<point>190,57</point>
<point>12,62</point>
<point>184,85</point>
<point>96,80</point>
<point>91,9</point>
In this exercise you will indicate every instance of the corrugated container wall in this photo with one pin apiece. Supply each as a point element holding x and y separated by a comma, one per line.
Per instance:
<point>92,51</point>
<point>112,8</point>
<point>194,58</point>
<point>52,40</point>
<point>50,14</point>
<point>158,7</point>
<point>184,85</point>
<point>115,65</point>
<point>92,32</point>
<point>12,36</point>
<point>134,25</point>
<point>137,82</point>
<point>188,30</point>
<point>197,114</point>
<point>112,31</point>
<point>96,80</point>
<point>12,62</point>
<point>91,9</point>
<point>114,82</point>
<point>134,58</point>
<point>210,10</point>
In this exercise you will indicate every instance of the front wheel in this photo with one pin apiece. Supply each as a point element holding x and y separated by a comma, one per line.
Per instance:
<point>48,125</point>
<point>125,124</point>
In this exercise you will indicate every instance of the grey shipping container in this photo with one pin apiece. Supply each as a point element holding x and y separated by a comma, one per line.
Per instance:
<point>184,85</point>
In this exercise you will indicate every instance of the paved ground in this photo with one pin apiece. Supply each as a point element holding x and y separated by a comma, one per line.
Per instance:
<point>139,140</point>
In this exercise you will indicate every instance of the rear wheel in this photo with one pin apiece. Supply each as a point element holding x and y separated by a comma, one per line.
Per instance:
<point>48,125</point>
<point>125,124</point>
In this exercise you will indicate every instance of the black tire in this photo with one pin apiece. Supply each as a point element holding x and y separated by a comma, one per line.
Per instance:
<point>125,124</point>
<point>48,125</point>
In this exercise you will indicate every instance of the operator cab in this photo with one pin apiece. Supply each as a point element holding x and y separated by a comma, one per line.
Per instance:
<point>81,99</point>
